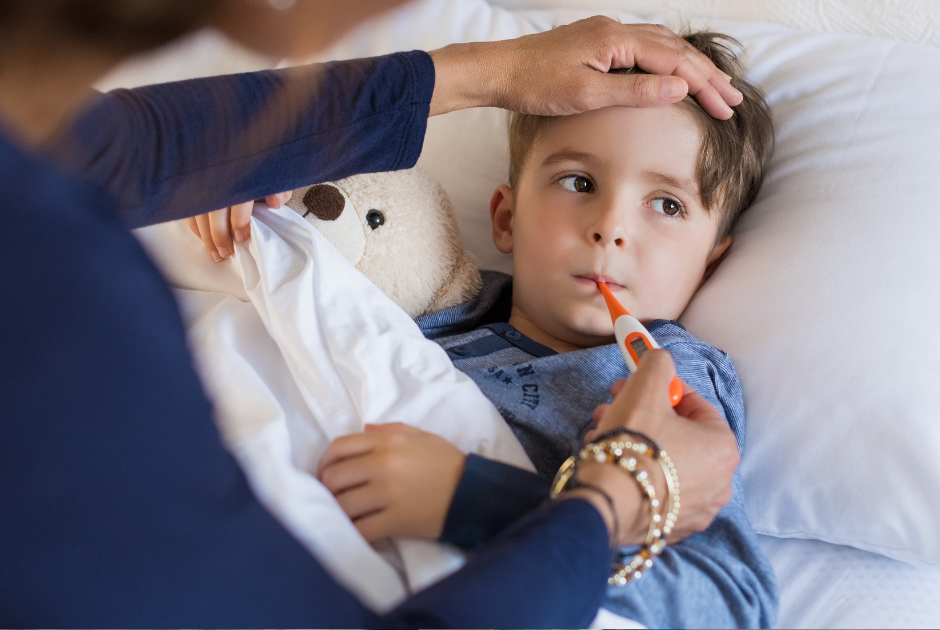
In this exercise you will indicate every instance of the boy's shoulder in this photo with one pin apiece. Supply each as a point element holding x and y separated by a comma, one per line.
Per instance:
<point>491,305</point>
<point>707,369</point>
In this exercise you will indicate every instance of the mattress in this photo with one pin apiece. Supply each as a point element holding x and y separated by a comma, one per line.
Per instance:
<point>834,586</point>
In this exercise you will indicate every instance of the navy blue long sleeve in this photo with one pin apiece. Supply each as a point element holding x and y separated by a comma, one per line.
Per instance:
<point>119,507</point>
<point>490,497</point>
<point>178,149</point>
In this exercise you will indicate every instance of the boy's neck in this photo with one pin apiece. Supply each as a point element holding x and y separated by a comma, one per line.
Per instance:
<point>519,321</point>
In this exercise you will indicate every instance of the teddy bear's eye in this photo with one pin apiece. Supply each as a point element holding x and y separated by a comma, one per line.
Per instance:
<point>375,218</point>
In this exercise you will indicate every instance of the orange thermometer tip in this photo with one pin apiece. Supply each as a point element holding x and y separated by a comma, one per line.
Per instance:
<point>616,308</point>
<point>640,335</point>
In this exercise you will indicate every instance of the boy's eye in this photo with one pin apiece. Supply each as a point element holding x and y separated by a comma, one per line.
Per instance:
<point>577,183</point>
<point>667,205</point>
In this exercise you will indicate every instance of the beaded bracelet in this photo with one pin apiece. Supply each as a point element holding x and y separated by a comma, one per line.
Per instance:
<point>625,431</point>
<point>669,471</point>
<point>624,454</point>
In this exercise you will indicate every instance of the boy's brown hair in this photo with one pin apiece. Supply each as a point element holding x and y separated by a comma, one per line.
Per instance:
<point>734,154</point>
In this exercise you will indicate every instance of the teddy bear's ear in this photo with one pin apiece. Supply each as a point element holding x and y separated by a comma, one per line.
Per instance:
<point>462,286</point>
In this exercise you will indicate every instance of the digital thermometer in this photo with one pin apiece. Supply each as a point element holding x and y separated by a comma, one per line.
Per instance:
<point>634,340</point>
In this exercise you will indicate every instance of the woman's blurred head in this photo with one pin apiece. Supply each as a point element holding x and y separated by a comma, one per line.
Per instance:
<point>122,27</point>
<point>51,51</point>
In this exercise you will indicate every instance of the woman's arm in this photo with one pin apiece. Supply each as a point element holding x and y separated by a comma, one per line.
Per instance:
<point>178,149</point>
<point>548,571</point>
<point>490,497</point>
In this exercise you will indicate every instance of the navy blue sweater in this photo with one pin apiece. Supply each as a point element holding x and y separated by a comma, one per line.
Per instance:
<point>119,507</point>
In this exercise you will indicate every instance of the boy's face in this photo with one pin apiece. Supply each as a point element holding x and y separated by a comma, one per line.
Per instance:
<point>608,195</point>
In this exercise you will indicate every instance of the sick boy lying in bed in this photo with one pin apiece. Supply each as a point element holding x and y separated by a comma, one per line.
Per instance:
<point>642,199</point>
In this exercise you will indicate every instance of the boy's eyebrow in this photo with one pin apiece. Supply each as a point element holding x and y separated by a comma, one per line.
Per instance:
<point>688,185</point>
<point>568,155</point>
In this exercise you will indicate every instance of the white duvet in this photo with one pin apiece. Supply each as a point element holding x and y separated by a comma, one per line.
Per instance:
<point>296,348</point>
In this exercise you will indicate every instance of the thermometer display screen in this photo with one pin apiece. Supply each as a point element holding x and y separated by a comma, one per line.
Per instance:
<point>639,346</point>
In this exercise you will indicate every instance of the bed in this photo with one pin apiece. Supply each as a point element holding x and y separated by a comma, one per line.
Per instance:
<point>827,299</point>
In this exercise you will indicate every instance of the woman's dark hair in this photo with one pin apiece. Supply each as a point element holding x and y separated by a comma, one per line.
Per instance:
<point>119,26</point>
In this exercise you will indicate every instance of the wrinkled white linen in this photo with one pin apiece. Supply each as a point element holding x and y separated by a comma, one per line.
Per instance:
<point>305,350</point>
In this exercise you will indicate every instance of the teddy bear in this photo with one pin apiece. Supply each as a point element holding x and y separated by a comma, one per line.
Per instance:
<point>399,229</point>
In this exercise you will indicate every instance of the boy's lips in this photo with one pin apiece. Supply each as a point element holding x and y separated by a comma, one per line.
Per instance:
<point>594,278</point>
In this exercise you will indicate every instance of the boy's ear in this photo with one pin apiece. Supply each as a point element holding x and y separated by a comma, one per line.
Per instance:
<point>715,257</point>
<point>501,210</point>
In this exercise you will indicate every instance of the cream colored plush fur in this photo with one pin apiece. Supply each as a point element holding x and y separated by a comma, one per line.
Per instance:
<point>415,256</point>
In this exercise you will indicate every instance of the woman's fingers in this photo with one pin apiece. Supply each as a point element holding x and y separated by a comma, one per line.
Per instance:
<point>618,386</point>
<point>273,200</point>
<point>193,226</point>
<point>240,220</point>
<point>644,396</point>
<point>205,234</point>
<point>676,73</point>
<point>220,229</point>
<point>278,200</point>
<point>700,64</point>
<point>221,233</point>
<point>667,53</point>
<point>565,71</point>
<point>694,407</point>
<point>695,434</point>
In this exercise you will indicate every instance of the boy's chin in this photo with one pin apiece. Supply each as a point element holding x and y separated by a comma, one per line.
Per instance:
<point>595,334</point>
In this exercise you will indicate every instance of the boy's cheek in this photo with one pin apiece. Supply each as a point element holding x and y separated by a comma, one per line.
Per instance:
<point>670,296</point>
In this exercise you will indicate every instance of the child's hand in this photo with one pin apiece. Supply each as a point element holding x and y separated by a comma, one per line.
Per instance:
<point>218,228</point>
<point>393,480</point>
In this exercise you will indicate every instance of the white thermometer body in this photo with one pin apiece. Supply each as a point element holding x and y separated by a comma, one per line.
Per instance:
<point>634,340</point>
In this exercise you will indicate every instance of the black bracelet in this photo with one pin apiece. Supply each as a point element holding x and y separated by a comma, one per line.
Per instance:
<point>613,509</point>
<point>623,431</point>
<point>610,502</point>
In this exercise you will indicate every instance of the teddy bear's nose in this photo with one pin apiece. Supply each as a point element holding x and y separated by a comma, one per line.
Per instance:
<point>325,202</point>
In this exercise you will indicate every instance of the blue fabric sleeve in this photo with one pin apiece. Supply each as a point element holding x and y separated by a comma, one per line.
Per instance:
<point>178,149</point>
<point>119,505</point>
<point>490,496</point>
<point>499,587</point>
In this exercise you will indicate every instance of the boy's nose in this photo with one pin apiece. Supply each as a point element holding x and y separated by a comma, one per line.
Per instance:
<point>606,225</point>
<point>616,240</point>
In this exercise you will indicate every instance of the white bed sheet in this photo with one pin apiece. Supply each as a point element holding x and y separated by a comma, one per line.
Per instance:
<point>305,350</point>
<point>833,586</point>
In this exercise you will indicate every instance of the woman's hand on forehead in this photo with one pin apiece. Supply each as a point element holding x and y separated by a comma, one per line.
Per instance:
<point>566,71</point>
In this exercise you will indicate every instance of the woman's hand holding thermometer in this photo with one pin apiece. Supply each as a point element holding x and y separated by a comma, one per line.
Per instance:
<point>634,340</point>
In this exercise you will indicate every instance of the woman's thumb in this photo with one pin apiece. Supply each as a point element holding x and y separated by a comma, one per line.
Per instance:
<point>648,90</point>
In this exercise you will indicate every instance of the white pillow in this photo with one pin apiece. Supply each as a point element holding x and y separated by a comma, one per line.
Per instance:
<point>915,21</point>
<point>828,300</point>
